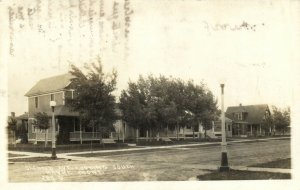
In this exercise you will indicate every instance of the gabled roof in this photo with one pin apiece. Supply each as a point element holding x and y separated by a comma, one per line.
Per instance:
<point>227,120</point>
<point>255,113</point>
<point>51,84</point>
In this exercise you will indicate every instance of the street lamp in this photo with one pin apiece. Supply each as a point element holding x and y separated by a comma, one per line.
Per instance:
<point>52,105</point>
<point>224,161</point>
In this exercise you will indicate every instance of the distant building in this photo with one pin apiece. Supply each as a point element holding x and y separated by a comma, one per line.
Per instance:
<point>249,120</point>
<point>21,128</point>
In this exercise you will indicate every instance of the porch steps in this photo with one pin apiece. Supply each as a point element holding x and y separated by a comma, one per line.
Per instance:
<point>211,135</point>
<point>108,141</point>
<point>131,144</point>
<point>166,139</point>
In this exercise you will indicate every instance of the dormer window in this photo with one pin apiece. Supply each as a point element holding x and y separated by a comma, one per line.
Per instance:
<point>239,116</point>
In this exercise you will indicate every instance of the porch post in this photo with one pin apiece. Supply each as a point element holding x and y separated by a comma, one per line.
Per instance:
<point>123,134</point>
<point>147,134</point>
<point>259,129</point>
<point>74,124</point>
<point>36,140</point>
<point>125,130</point>
<point>251,130</point>
<point>200,130</point>
<point>46,137</point>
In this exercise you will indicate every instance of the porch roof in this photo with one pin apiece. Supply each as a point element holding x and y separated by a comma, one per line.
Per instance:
<point>63,111</point>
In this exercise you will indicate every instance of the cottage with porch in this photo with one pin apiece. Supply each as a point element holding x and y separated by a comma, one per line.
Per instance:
<point>249,120</point>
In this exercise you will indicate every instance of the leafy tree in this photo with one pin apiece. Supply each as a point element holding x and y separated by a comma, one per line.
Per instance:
<point>268,123</point>
<point>93,97</point>
<point>12,126</point>
<point>42,122</point>
<point>281,119</point>
<point>159,103</point>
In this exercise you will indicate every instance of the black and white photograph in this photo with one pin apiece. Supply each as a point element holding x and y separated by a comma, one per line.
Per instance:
<point>172,94</point>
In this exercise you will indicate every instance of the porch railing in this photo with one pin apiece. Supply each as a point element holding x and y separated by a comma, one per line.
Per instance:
<point>40,136</point>
<point>86,136</point>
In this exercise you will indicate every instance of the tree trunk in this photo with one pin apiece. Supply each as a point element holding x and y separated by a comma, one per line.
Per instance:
<point>177,130</point>
<point>158,133</point>
<point>80,135</point>
<point>167,131</point>
<point>14,138</point>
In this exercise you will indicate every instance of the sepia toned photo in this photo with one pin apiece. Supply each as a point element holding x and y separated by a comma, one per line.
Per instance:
<point>117,91</point>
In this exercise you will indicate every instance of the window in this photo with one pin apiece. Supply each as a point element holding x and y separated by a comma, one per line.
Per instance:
<point>72,91</point>
<point>36,102</point>
<point>228,127</point>
<point>34,128</point>
<point>240,116</point>
<point>52,97</point>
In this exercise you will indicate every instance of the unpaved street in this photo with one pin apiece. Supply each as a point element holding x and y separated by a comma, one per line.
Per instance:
<point>163,165</point>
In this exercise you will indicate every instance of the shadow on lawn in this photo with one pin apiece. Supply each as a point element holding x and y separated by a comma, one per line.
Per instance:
<point>252,175</point>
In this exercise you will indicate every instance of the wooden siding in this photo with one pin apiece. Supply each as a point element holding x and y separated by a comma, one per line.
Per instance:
<point>43,103</point>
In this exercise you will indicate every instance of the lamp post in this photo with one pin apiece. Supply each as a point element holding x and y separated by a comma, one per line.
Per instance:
<point>52,105</point>
<point>224,161</point>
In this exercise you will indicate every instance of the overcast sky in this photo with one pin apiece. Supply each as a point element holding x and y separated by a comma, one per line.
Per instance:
<point>250,45</point>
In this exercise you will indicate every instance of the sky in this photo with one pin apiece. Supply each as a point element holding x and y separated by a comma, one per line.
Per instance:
<point>251,46</point>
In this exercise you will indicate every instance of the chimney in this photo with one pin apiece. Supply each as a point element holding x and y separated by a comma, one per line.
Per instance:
<point>13,114</point>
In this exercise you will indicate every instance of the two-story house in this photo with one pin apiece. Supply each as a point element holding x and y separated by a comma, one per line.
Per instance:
<point>69,127</point>
<point>249,120</point>
<point>56,89</point>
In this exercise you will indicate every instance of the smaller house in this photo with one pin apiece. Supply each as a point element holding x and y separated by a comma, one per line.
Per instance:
<point>21,127</point>
<point>11,133</point>
<point>22,123</point>
<point>250,120</point>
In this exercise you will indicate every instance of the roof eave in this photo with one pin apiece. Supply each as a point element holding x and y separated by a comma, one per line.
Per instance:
<point>41,93</point>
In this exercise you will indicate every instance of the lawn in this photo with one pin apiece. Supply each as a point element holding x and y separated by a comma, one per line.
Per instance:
<point>15,155</point>
<point>33,159</point>
<point>281,163</point>
<point>252,175</point>
<point>243,175</point>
